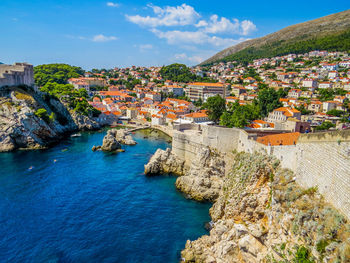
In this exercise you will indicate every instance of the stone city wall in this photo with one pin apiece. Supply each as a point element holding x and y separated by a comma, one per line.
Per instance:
<point>321,159</point>
<point>17,74</point>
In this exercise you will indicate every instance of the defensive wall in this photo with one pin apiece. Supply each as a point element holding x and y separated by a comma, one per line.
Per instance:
<point>318,160</point>
<point>16,74</point>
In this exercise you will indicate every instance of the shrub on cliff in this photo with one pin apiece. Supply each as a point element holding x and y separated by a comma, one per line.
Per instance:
<point>42,113</point>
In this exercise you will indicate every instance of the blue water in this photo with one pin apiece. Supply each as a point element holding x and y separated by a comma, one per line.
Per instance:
<point>92,206</point>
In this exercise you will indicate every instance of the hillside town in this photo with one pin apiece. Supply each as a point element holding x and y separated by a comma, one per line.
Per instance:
<point>315,85</point>
<point>299,93</point>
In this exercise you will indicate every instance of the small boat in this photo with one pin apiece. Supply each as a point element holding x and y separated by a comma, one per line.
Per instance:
<point>64,150</point>
<point>54,160</point>
<point>30,168</point>
<point>76,135</point>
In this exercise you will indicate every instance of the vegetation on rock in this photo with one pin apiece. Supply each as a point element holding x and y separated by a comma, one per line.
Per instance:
<point>262,215</point>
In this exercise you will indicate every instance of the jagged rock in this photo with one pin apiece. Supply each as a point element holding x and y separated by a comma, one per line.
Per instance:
<point>124,137</point>
<point>204,179</point>
<point>84,122</point>
<point>164,162</point>
<point>250,225</point>
<point>110,144</point>
<point>20,128</point>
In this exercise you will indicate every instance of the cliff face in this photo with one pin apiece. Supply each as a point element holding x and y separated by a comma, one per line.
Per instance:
<point>201,180</point>
<point>21,128</point>
<point>262,215</point>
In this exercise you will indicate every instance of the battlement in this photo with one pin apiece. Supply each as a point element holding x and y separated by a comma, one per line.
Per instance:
<point>16,74</point>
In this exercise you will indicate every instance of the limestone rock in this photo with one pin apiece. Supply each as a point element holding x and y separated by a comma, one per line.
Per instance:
<point>204,179</point>
<point>110,144</point>
<point>251,225</point>
<point>20,128</point>
<point>124,137</point>
<point>164,162</point>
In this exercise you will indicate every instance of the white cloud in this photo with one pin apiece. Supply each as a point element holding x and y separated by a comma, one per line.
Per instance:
<point>226,26</point>
<point>183,57</point>
<point>111,4</point>
<point>195,37</point>
<point>248,27</point>
<point>203,31</point>
<point>167,16</point>
<point>103,38</point>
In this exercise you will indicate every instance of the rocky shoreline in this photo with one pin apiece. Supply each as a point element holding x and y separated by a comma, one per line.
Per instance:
<point>259,213</point>
<point>21,128</point>
<point>200,181</point>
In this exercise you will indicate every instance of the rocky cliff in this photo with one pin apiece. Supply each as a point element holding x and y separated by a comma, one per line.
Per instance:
<point>201,180</point>
<point>259,212</point>
<point>262,215</point>
<point>21,128</point>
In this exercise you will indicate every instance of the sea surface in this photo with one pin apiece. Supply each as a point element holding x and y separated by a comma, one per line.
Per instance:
<point>75,205</point>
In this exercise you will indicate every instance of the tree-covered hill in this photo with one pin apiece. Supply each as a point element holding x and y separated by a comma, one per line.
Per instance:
<point>181,73</point>
<point>55,73</point>
<point>327,33</point>
<point>335,42</point>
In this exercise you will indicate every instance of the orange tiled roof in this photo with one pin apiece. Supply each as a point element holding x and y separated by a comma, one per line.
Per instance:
<point>280,139</point>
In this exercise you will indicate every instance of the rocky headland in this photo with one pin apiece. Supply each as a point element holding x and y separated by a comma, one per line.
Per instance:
<point>22,128</point>
<point>259,213</point>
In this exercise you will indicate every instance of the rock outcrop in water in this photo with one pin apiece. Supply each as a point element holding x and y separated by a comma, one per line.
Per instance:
<point>123,137</point>
<point>201,181</point>
<point>110,143</point>
<point>204,179</point>
<point>262,215</point>
<point>114,139</point>
<point>20,127</point>
<point>164,162</point>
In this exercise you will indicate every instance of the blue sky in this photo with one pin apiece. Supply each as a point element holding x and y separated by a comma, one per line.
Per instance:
<point>96,33</point>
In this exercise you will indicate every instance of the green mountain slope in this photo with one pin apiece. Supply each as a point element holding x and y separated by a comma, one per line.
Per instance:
<point>327,33</point>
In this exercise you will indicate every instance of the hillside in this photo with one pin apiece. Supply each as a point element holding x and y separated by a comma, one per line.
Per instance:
<point>327,33</point>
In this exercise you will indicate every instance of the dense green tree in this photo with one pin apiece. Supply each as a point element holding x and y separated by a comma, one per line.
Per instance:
<point>303,110</point>
<point>181,73</point>
<point>216,106</point>
<point>240,115</point>
<point>326,94</point>
<point>334,112</point>
<point>268,100</point>
<point>325,126</point>
<point>58,73</point>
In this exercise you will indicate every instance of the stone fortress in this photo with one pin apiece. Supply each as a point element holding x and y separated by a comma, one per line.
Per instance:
<point>16,74</point>
<point>319,160</point>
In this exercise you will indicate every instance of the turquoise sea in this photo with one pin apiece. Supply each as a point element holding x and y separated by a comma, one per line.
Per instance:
<point>92,206</point>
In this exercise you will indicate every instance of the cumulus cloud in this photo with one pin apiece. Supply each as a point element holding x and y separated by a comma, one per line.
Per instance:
<point>247,27</point>
<point>168,16</point>
<point>103,38</point>
<point>222,25</point>
<point>111,4</point>
<point>203,32</point>
<point>183,57</point>
<point>195,37</point>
